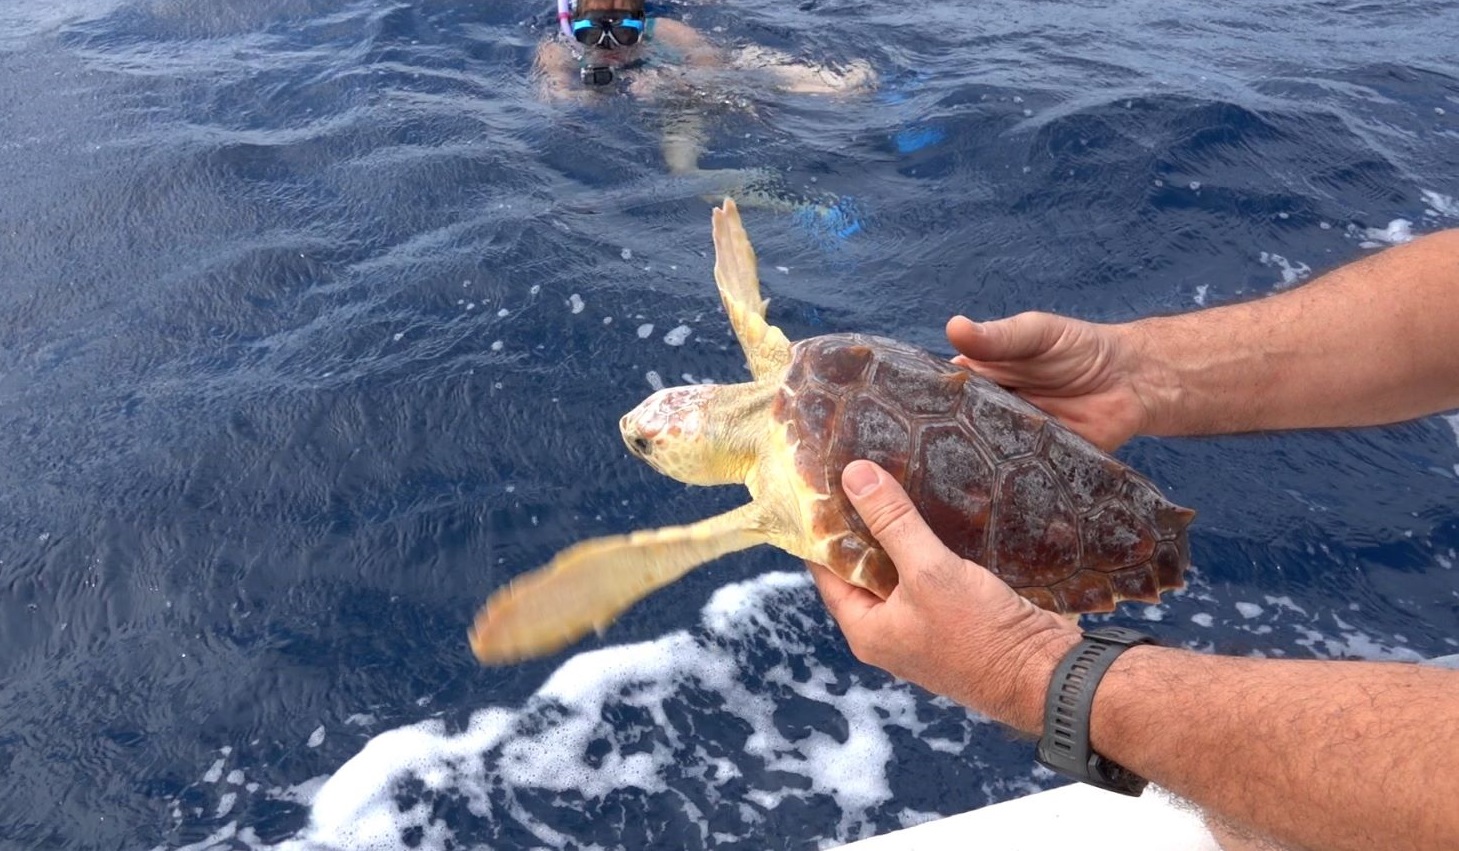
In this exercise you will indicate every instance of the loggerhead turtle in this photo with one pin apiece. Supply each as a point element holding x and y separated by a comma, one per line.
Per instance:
<point>1001,482</point>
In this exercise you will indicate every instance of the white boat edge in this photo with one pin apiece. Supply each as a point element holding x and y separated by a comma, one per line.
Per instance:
<point>1074,816</point>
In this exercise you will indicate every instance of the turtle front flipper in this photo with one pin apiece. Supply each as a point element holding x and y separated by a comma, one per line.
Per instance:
<point>766,348</point>
<point>588,585</point>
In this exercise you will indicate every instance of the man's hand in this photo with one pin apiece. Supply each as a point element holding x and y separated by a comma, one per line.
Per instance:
<point>1085,374</point>
<point>950,626</point>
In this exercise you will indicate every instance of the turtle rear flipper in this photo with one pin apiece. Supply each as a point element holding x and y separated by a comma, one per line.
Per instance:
<point>766,348</point>
<point>588,585</point>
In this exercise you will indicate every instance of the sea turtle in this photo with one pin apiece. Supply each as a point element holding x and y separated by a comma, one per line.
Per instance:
<point>1001,482</point>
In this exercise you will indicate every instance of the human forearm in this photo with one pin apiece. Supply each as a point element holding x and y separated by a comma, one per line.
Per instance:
<point>1369,343</point>
<point>1331,755</point>
<point>696,51</point>
<point>554,74</point>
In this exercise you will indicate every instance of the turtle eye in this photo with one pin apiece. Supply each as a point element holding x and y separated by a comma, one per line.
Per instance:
<point>642,445</point>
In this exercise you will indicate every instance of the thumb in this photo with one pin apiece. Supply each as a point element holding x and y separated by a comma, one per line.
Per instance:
<point>1013,338</point>
<point>893,520</point>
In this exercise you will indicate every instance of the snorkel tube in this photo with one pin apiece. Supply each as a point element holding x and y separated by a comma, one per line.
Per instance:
<point>564,17</point>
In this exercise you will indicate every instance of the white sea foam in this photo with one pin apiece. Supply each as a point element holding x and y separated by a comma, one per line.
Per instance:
<point>215,773</point>
<point>1291,272</point>
<point>1285,602</point>
<point>570,742</point>
<point>1443,205</point>
<point>1398,232</point>
<point>1353,645</point>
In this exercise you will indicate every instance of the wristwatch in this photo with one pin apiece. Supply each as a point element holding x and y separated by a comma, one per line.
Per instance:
<point>1065,743</point>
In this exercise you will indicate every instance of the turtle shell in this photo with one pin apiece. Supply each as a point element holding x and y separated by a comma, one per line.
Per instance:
<point>1001,482</point>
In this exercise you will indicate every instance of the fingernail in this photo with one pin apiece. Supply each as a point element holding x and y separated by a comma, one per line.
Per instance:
<point>859,478</point>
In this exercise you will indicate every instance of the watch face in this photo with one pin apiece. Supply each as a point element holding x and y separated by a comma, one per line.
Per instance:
<point>1115,777</point>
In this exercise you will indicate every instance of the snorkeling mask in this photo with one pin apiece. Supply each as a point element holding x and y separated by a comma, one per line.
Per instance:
<point>608,31</point>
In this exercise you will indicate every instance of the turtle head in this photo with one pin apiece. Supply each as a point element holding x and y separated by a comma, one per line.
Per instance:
<point>676,432</point>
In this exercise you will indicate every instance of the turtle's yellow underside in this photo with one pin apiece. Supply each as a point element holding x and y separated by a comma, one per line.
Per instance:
<point>587,586</point>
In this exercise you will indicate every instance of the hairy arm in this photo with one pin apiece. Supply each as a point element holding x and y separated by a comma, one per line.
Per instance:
<point>1372,342</point>
<point>1335,755</point>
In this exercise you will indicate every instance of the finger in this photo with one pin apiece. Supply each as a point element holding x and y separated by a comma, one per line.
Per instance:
<point>893,520</point>
<point>968,363</point>
<point>847,603</point>
<point>1014,338</point>
<point>991,371</point>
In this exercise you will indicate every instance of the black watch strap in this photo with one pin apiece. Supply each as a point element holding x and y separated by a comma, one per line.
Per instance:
<point>1065,743</point>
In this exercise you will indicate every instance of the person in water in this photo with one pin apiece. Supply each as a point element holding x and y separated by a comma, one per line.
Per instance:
<point>1278,753</point>
<point>617,45</point>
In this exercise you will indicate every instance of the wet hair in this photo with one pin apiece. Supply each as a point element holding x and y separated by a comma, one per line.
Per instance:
<point>588,7</point>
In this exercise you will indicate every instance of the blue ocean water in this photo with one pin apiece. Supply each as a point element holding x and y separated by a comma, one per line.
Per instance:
<point>316,328</point>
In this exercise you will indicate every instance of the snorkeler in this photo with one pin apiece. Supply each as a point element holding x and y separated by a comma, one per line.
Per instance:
<point>617,45</point>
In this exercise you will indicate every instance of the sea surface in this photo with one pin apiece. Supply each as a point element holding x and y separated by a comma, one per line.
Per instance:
<point>315,327</point>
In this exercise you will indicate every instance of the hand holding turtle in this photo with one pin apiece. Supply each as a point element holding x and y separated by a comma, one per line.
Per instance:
<point>950,626</point>
<point>1088,375</point>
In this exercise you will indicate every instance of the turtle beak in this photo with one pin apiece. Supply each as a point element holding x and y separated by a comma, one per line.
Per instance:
<point>633,436</point>
<point>639,445</point>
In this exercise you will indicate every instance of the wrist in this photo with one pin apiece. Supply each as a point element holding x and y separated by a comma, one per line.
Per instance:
<point>1152,377</point>
<point>1036,661</point>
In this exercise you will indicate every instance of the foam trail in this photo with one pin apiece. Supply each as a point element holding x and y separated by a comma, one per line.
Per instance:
<point>671,731</point>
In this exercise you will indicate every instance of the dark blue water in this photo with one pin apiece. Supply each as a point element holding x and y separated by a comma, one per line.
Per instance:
<point>316,328</point>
